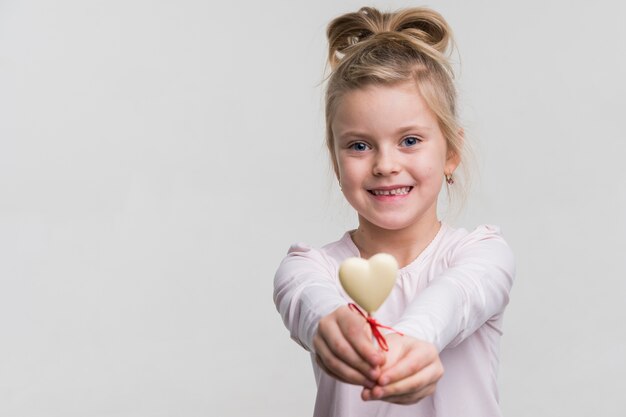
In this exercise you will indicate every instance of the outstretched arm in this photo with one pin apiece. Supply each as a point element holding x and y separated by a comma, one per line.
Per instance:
<point>474,289</point>
<point>308,298</point>
<point>304,292</point>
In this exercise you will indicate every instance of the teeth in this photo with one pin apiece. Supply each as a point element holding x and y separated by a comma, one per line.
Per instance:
<point>395,191</point>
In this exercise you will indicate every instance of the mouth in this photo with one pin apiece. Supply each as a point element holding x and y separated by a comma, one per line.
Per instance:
<point>390,191</point>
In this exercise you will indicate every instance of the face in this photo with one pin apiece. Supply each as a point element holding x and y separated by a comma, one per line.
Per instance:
<point>391,155</point>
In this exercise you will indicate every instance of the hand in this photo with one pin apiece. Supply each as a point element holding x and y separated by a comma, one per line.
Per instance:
<point>344,348</point>
<point>410,373</point>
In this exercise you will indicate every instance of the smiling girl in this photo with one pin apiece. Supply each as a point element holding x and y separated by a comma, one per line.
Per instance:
<point>394,140</point>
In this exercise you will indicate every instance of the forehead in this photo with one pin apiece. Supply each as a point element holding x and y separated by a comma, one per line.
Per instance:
<point>381,109</point>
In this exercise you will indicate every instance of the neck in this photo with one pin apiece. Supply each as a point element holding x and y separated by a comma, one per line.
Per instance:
<point>404,244</point>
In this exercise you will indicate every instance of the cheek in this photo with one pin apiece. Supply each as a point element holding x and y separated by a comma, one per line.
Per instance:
<point>430,172</point>
<point>347,169</point>
<point>433,167</point>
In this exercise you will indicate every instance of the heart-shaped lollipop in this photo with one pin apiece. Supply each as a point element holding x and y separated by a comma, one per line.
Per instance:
<point>369,282</point>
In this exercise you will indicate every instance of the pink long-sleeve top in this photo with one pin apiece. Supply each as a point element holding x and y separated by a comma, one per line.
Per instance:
<point>452,295</point>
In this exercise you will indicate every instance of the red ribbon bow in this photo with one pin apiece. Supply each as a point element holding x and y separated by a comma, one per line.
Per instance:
<point>375,325</point>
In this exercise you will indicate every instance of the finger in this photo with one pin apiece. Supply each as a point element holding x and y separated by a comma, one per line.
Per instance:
<point>414,383</point>
<point>366,394</point>
<point>336,367</point>
<point>411,398</point>
<point>359,335</point>
<point>320,363</point>
<point>412,362</point>
<point>341,345</point>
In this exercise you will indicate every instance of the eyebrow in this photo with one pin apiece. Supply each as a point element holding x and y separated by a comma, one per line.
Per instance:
<point>400,131</point>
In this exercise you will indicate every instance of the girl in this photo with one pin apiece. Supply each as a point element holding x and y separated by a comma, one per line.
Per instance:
<point>393,138</point>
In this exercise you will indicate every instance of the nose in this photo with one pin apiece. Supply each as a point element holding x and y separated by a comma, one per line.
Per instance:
<point>385,163</point>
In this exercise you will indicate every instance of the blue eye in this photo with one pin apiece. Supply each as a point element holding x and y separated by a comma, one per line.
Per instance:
<point>359,146</point>
<point>411,141</point>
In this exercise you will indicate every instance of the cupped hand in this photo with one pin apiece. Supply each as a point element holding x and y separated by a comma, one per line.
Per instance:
<point>410,373</point>
<point>344,348</point>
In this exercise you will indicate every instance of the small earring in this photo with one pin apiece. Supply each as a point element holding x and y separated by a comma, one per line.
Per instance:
<point>449,179</point>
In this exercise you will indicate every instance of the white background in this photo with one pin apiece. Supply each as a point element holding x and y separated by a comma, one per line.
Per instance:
<point>157,158</point>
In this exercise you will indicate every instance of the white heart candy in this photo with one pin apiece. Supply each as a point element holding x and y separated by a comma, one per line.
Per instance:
<point>369,282</point>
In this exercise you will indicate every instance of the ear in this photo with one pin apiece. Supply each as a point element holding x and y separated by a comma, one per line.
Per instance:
<point>453,158</point>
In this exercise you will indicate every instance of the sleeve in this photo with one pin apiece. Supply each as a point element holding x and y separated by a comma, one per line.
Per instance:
<point>305,290</point>
<point>473,289</point>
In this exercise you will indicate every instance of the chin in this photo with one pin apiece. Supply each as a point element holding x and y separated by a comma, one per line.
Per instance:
<point>390,224</point>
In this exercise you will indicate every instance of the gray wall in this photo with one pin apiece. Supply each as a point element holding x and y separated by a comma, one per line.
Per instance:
<point>157,159</point>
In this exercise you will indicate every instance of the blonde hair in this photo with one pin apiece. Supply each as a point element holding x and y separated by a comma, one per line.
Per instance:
<point>369,47</point>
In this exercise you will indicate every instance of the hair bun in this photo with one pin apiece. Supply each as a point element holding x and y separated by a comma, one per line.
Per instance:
<point>349,29</point>
<point>421,26</point>
<point>424,25</point>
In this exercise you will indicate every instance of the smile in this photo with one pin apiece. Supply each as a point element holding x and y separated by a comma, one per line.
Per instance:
<point>393,191</point>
